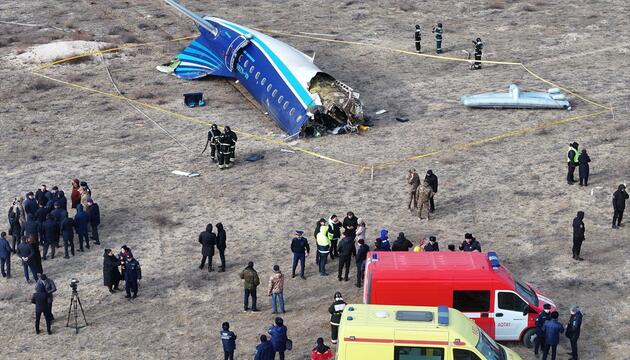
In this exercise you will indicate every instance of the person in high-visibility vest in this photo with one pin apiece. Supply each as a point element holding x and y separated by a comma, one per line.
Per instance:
<point>323,248</point>
<point>572,161</point>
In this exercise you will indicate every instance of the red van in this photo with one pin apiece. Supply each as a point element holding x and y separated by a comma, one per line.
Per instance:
<point>472,282</point>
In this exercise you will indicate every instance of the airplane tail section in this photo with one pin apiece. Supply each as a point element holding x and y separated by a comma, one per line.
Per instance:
<point>196,61</point>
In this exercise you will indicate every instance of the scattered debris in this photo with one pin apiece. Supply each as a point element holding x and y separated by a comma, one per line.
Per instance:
<point>59,50</point>
<point>184,173</point>
<point>515,99</point>
<point>288,151</point>
<point>255,157</point>
<point>402,119</point>
<point>380,112</point>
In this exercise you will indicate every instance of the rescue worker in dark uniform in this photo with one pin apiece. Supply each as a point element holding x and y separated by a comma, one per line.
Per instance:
<point>573,330</point>
<point>335,310</point>
<point>573,160</point>
<point>213,141</point>
<point>619,205</point>
<point>578,235</point>
<point>225,144</point>
<point>133,273</point>
<point>478,49</point>
<point>438,31</point>
<point>539,341</point>
<point>51,236</point>
<point>300,249</point>
<point>228,338</point>
<point>418,38</point>
<point>234,139</point>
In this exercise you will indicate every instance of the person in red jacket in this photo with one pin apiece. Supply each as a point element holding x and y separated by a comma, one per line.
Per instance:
<point>321,351</point>
<point>75,195</point>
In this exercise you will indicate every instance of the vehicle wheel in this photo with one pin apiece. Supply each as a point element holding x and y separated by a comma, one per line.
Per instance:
<point>527,338</point>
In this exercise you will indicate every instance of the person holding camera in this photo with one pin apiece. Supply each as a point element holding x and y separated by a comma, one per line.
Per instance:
<point>133,273</point>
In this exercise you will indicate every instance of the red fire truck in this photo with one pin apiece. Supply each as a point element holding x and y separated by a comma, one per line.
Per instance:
<point>472,282</point>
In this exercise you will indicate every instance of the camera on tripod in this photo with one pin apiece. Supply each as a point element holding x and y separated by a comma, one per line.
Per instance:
<point>73,284</point>
<point>75,305</point>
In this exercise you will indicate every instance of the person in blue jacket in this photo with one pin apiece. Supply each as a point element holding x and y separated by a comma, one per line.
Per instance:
<point>228,338</point>
<point>5,255</point>
<point>264,350</point>
<point>81,221</point>
<point>544,315</point>
<point>278,334</point>
<point>552,330</point>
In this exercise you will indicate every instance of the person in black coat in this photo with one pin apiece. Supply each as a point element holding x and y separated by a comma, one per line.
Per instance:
<point>32,228</point>
<point>133,273</point>
<point>221,245</point>
<point>59,213</point>
<point>470,243</point>
<point>432,179</point>
<point>208,240</point>
<point>40,194</point>
<point>401,243</point>
<point>25,252</point>
<point>51,236</point>
<point>350,223</point>
<point>583,170</point>
<point>346,250</point>
<point>360,259</point>
<point>30,205</point>
<point>619,205</point>
<point>67,232</point>
<point>111,275</point>
<point>40,299</point>
<point>578,235</point>
<point>95,219</point>
<point>432,245</point>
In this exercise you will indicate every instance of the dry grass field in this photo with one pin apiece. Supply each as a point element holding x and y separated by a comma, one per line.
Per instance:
<point>511,193</point>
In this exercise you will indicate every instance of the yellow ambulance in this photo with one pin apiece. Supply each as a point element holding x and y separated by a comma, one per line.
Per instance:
<point>386,332</point>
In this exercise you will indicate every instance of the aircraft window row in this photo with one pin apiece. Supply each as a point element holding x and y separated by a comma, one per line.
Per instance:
<point>240,58</point>
<point>292,111</point>
<point>257,75</point>
<point>269,88</point>
<point>246,63</point>
<point>299,118</point>
<point>263,81</point>
<point>251,69</point>
<point>274,93</point>
<point>280,99</point>
<point>286,105</point>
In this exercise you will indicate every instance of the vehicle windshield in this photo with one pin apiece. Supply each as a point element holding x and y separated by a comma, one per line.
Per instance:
<point>490,349</point>
<point>526,292</point>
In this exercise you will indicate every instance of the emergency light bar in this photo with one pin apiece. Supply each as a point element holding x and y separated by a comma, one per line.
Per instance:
<point>494,260</point>
<point>443,315</point>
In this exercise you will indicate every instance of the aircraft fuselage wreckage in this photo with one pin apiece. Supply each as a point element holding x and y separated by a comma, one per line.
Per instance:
<point>295,92</point>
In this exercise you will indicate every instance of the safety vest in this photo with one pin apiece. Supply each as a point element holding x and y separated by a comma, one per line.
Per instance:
<point>576,155</point>
<point>322,236</point>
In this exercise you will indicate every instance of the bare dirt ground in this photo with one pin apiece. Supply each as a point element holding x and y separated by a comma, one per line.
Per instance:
<point>511,193</point>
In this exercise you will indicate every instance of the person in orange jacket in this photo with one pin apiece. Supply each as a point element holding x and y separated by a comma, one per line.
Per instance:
<point>321,351</point>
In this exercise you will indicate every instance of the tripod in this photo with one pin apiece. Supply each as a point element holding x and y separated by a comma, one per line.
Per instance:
<point>75,303</point>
